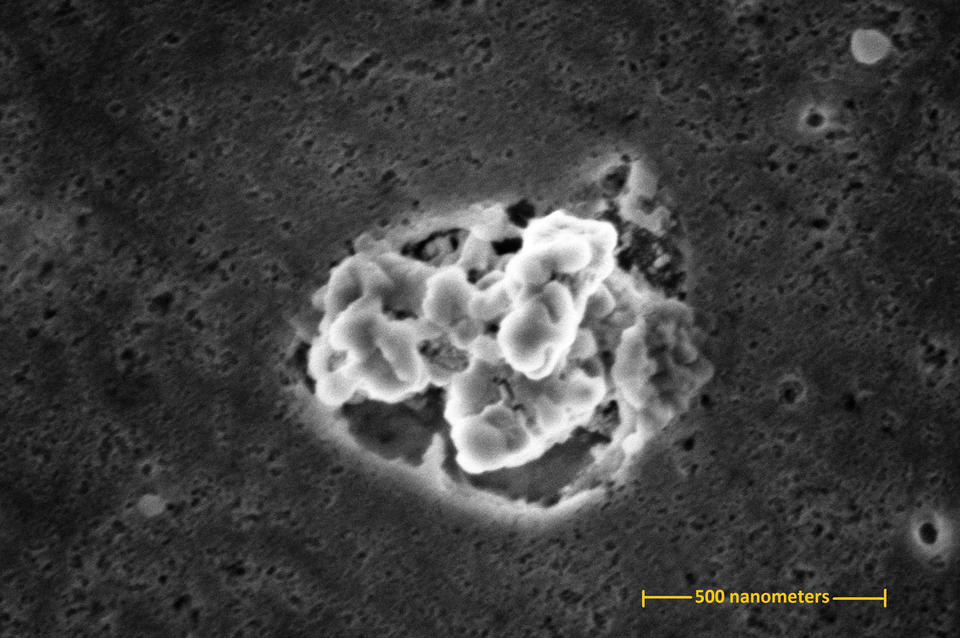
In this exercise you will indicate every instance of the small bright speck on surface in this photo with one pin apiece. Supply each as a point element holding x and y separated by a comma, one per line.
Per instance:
<point>151,505</point>
<point>869,46</point>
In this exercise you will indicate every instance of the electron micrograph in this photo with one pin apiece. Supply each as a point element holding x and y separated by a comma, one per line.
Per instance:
<point>438,318</point>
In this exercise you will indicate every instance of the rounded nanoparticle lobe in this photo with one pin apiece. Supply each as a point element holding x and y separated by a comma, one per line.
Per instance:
<point>658,367</point>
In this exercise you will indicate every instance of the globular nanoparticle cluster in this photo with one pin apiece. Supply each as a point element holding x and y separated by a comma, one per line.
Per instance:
<point>530,329</point>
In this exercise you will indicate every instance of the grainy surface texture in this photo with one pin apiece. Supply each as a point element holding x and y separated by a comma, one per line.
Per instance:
<point>176,177</point>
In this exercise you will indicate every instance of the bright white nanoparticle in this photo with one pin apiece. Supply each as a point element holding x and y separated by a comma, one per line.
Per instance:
<point>869,46</point>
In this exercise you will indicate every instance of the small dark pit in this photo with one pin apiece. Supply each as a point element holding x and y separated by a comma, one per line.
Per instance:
<point>507,246</point>
<point>815,119</point>
<point>928,533</point>
<point>521,213</point>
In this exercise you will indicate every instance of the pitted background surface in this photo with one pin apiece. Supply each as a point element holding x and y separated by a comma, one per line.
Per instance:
<point>175,179</point>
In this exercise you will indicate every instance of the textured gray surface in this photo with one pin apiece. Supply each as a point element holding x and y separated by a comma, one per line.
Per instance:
<point>176,178</point>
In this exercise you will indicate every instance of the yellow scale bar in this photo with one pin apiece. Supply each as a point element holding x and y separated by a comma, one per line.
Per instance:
<point>883,598</point>
<point>644,597</point>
